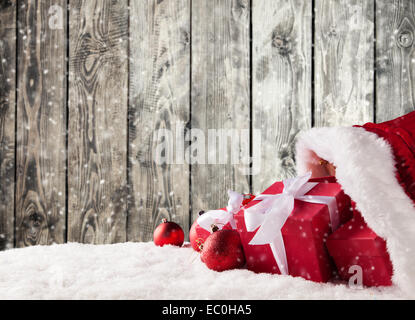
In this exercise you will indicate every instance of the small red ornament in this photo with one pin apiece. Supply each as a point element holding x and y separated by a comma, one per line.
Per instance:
<point>168,233</point>
<point>198,235</point>
<point>223,250</point>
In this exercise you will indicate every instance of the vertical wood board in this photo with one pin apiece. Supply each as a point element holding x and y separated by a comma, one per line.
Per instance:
<point>98,98</point>
<point>41,123</point>
<point>395,58</point>
<point>159,100</point>
<point>220,100</point>
<point>281,84</point>
<point>7,121</point>
<point>343,72</point>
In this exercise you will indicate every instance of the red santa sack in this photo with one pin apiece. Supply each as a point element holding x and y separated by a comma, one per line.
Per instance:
<point>375,164</point>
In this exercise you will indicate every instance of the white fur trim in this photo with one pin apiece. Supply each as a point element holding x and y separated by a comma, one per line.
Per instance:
<point>365,167</point>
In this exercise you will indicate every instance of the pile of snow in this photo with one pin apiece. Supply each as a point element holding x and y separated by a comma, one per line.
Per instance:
<point>144,271</point>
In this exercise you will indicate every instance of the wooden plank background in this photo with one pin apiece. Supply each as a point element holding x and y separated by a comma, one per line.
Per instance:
<point>40,126</point>
<point>7,121</point>
<point>85,85</point>
<point>281,83</point>
<point>97,121</point>
<point>159,99</point>
<point>220,92</point>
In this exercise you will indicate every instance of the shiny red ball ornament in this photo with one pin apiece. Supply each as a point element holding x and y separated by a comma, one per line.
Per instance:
<point>198,235</point>
<point>168,233</point>
<point>223,250</point>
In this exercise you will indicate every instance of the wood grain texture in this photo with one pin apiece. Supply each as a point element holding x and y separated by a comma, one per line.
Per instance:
<point>185,68</point>
<point>395,58</point>
<point>281,84</point>
<point>41,125</point>
<point>97,145</point>
<point>220,96</point>
<point>344,37</point>
<point>7,120</point>
<point>159,99</point>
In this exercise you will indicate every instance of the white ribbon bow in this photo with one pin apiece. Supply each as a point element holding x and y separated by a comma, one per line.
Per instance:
<point>222,217</point>
<point>274,209</point>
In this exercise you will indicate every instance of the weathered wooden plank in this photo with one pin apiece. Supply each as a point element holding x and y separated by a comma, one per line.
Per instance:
<point>7,123</point>
<point>220,98</point>
<point>395,58</point>
<point>159,100</point>
<point>97,147</point>
<point>344,37</point>
<point>41,123</point>
<point>281,85</point>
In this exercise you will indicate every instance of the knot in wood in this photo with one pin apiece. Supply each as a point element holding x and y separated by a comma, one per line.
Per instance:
<point>36,219</point>
<point>281,44</point>
<point>185,37</point>
<point>5,4</point>
<point>332,33</point>
<point>243,4</point>
<point>4,106</point>
<point>405,39</point>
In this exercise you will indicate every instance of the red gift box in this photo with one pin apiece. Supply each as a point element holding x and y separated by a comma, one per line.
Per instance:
<point>304,233</point>
<point>356,244</point>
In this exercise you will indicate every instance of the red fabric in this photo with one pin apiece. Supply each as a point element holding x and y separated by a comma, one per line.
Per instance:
<point>356,244</point>
<point>304,234</point>
<point>400,134</point>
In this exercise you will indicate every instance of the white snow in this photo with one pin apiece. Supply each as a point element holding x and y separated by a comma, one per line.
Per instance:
<point>144,271</point>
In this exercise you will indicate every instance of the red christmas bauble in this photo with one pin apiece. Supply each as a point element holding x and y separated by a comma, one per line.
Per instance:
<point>223,250</point>
<point>198,235</point>
<point>168,233</point>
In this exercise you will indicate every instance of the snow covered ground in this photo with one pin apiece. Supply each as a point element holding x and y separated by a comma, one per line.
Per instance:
<point>143,271</point>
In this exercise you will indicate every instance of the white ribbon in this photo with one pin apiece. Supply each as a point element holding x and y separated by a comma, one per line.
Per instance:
<point>222,217</point>
<point>274,209</point>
